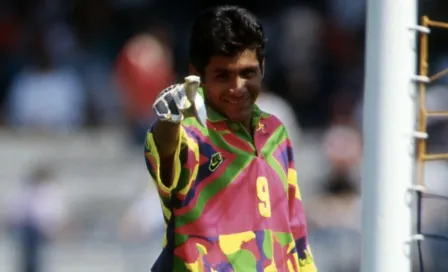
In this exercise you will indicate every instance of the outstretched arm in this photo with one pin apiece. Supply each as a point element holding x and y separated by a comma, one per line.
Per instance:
<point>173,105</point>
<point>166,137</point>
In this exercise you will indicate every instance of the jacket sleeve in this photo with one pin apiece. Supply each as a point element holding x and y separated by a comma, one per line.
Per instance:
<point>186,163</point>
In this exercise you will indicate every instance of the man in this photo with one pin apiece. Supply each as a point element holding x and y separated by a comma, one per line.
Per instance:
<point>38,214</point>
<point>229,190</point>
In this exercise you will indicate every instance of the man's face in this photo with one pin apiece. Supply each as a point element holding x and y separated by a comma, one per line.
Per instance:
<point>232,84</point>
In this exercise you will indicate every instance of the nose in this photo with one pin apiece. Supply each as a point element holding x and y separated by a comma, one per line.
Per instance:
<point>238,87</point>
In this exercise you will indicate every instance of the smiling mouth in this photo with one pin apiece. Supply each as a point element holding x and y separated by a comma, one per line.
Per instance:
<point>236,101</point>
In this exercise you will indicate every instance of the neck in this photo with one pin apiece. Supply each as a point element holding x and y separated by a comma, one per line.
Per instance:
<point>247,124</point>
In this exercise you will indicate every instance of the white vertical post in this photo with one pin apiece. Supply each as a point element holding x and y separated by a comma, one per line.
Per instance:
<point>389,120</point>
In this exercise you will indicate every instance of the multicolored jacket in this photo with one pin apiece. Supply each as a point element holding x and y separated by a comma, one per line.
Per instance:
<point>235,204</point>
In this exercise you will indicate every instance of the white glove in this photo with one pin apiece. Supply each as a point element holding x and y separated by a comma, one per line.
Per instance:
<point>181,101</point>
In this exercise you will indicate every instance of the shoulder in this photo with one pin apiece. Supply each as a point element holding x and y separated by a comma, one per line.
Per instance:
<point>272,123</point>
<point>274,103</point>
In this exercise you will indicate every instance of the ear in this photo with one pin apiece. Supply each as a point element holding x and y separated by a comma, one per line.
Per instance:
<point>262,68</point>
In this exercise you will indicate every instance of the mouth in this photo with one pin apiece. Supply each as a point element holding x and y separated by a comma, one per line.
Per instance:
<point>236,102</point>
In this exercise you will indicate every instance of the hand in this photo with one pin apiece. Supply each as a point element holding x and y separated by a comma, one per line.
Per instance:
<point>181,101</point>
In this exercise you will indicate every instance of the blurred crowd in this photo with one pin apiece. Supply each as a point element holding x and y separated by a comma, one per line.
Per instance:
<point>71,68</point>
<point>67,65</point>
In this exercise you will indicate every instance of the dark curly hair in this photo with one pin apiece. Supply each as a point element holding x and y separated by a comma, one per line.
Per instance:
<point>225,31</point>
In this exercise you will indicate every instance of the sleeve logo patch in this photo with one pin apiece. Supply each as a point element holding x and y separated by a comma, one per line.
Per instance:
<point>215,161</point>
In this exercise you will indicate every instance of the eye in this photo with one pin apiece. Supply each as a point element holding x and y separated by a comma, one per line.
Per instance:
<point>249,73</point>
<point>222,77</point>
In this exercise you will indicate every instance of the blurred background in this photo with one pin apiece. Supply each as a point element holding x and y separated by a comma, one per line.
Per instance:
<point>77,79</point>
